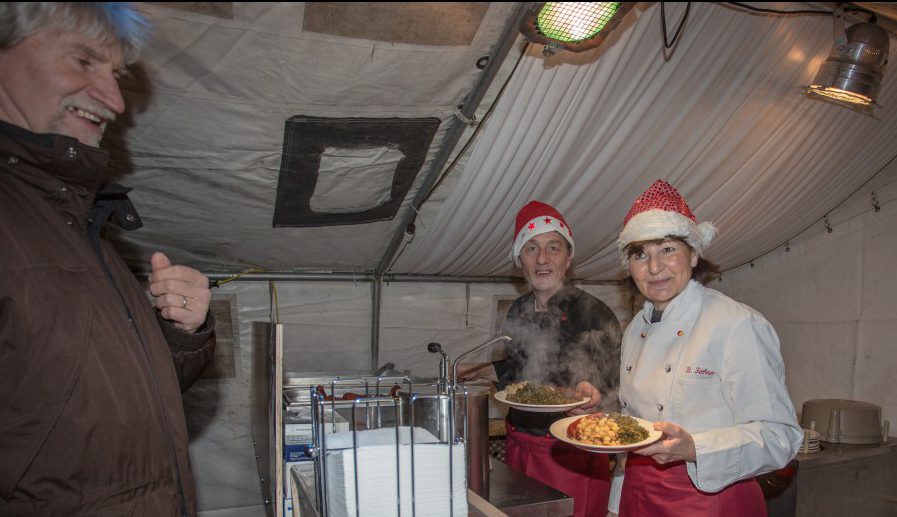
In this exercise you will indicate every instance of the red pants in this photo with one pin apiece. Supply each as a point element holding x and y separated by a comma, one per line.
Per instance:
<point>653,490</point>
<point>582,475</point>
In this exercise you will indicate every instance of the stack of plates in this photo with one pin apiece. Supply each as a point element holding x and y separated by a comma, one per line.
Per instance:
<point>811,441</point>
<point>385,491</point>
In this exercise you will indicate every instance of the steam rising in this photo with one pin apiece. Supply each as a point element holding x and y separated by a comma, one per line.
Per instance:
<point>536,355</point>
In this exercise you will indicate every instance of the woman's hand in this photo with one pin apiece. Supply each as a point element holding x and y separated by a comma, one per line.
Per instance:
<point>585,389</point>
<point>676,444</point>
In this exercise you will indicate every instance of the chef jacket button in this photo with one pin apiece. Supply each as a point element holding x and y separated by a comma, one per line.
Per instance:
<point>13,160</point>
<point>660,407</point>
<point>643,335</point>
<point>628,367</point>
<point>71,152</point>
<point>624,404</point>
<point>667,368</point>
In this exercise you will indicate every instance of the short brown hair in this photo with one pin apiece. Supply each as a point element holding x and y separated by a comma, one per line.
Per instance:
<point>703,272</point>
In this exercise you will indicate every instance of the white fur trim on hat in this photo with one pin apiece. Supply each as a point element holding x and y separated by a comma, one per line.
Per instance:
<point>657,224</point>
<point>539,226</point>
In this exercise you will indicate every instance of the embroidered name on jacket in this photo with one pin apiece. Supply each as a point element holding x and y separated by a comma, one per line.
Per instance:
<point>697,370</point>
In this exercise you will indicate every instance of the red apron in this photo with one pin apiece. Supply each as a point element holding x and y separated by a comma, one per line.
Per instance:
<point>582,475</point>
<point>653,490</point>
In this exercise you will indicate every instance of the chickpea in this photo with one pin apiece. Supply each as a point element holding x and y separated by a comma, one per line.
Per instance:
<point>598,431</point>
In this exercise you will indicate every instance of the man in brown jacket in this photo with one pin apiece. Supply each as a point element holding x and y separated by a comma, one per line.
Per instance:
<point>91,418</point>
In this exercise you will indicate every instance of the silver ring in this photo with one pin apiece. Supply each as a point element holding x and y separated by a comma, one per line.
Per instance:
<point>184,303</point>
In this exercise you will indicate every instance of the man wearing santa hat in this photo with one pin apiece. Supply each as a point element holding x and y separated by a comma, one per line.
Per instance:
<point>704,368</point>
<point>564,337</point>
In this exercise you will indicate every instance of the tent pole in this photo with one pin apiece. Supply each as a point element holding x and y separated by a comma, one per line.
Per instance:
<point>286,276</point>
<point>456,129</point>
<point>376,285</point>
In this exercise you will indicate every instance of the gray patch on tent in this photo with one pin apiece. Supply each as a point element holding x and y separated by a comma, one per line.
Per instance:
<point>337,171</point>
<point>418,23</point>
<point>217,9</point>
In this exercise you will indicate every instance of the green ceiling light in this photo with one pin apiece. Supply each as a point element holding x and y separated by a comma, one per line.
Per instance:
<point>851,75</point>
<point>573,26</point>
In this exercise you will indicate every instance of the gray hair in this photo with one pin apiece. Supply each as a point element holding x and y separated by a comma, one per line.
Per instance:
<point>110,22</point>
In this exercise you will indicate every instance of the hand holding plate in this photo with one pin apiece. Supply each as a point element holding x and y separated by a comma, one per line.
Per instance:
<point>584,389</point>
<point>676,444</point>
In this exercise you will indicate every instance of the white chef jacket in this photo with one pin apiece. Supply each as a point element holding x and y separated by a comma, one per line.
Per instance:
<point>713,366</point>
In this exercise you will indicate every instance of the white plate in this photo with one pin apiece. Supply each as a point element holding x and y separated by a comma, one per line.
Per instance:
<point>501,396</point>
<point>559,430</point>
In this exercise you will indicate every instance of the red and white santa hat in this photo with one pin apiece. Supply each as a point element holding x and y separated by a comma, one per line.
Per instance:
<point>660,212</point>
<point>536,218</point>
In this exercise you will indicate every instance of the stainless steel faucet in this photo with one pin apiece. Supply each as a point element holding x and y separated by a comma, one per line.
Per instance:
<point>506,339</point>
<point>442,383</point>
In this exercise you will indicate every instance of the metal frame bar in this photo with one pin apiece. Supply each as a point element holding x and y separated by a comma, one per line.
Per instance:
<point>456,130</point>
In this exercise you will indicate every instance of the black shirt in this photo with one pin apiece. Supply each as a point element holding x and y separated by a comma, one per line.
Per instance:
<point>576,339</point>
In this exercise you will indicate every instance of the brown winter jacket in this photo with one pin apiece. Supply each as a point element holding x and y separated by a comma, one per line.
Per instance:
<point>91,418</point>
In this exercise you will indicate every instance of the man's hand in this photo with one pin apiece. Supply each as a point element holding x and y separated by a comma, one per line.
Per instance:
<point>676,444</point>
<point>181,293</point>
<point>476,371</point>
<point>585,389</point>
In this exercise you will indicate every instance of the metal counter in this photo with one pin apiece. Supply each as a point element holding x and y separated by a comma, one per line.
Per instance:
<point>511,492</point>
<point>835,453</point>
<point>841,479</point>
<point>516,495</point>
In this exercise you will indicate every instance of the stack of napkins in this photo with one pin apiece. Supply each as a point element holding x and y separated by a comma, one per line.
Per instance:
<point>381,487</point>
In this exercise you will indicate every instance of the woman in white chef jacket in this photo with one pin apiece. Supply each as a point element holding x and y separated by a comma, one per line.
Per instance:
<point>705,368</point>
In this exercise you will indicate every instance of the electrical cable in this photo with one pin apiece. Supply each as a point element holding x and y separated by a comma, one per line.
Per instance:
<point>476,131</point>
<point>218,283</point>
<point>273,287</point>
<point>460,153</point>
<point>837,206</point>
<point>663,23</point>
<point>798,12</point>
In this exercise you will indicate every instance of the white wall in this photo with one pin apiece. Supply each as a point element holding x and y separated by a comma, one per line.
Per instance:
<point>829,298</point>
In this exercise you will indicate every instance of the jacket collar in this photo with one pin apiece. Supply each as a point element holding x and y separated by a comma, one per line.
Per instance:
<point>64,158</point>
<point>683,304</point>
<point>50,162</point>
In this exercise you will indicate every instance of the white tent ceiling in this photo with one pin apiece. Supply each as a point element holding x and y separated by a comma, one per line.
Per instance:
<point>721,117</point>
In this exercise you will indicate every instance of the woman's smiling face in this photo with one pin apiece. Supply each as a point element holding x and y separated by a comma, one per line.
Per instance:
<point>661,270</point>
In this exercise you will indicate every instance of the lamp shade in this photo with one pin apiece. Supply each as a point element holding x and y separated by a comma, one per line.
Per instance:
<point>853,71</point>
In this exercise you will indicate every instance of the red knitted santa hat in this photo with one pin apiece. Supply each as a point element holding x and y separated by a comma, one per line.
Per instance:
<point>535,218</point>
<point>659,212</point>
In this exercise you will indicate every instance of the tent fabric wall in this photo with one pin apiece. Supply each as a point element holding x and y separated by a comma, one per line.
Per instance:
<point>328,323</point>
<point>208,102</point>
<point>830,298</point>
<point>721,117</point>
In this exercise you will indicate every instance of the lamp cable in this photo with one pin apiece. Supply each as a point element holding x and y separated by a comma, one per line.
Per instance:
<point>663,23</point>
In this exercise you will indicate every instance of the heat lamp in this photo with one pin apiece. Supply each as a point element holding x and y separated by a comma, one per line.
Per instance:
<point>851,75</point>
